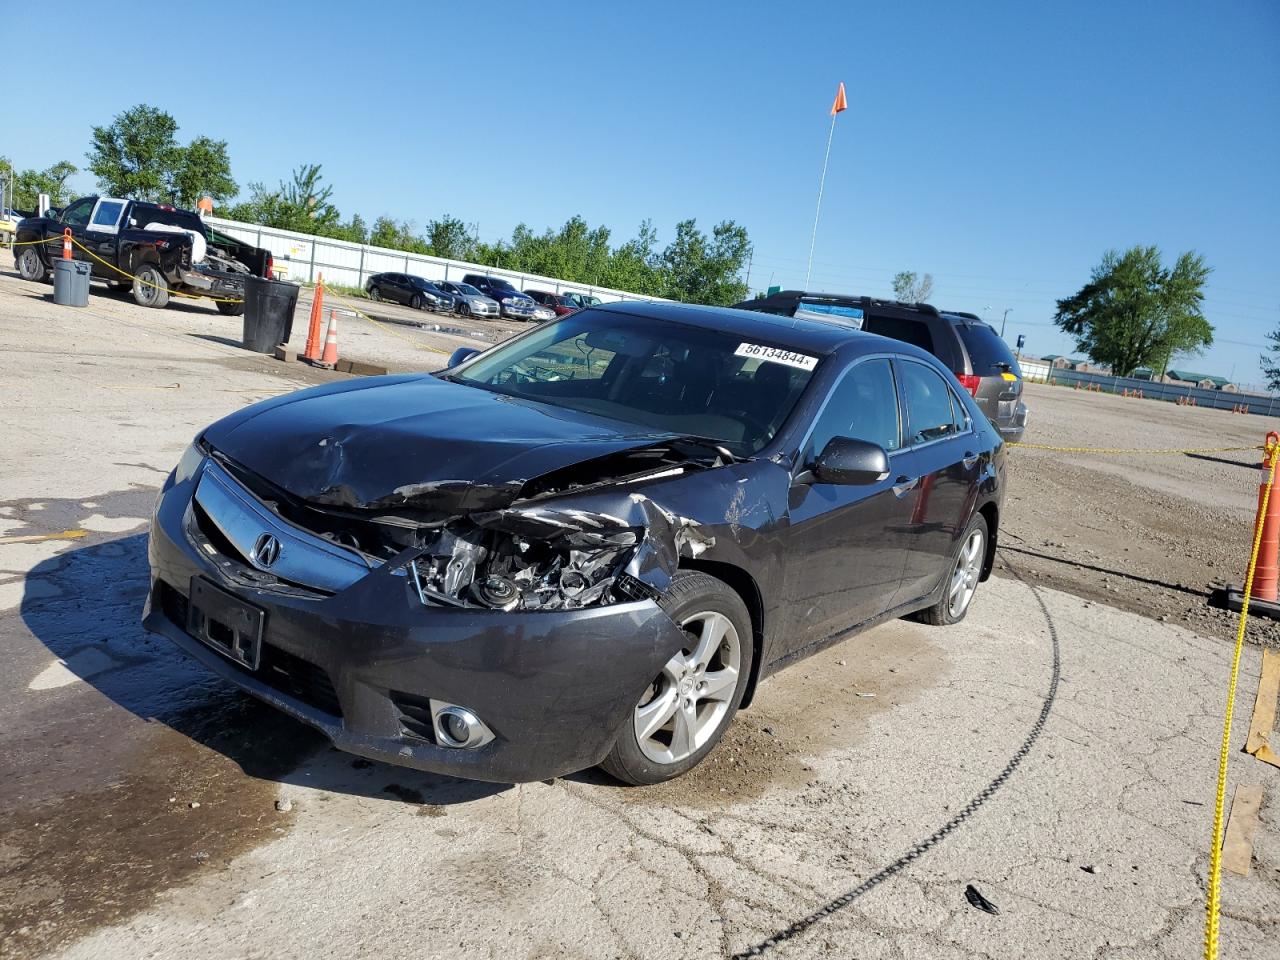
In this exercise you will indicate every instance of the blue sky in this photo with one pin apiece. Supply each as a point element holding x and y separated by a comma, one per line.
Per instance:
<point>1002,147</point>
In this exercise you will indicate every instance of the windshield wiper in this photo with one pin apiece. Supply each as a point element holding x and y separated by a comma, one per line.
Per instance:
<point>708,444</point>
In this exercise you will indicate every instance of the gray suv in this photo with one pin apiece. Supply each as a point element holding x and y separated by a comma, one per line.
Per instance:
<point>971,349</point>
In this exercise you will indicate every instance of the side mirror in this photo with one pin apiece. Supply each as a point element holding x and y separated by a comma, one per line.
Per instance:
<point>851,462</point>
<point>466,353</point>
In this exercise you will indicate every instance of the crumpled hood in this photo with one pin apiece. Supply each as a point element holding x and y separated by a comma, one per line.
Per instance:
<point>417,442</point>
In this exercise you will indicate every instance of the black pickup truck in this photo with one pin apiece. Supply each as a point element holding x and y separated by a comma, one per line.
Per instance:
<point>163,248</point>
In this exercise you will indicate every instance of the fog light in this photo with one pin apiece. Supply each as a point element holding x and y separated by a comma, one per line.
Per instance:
<point>458,727</point>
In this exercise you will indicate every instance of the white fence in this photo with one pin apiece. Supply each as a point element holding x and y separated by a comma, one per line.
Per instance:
<point>1034,370</point>
<point>302,257</point>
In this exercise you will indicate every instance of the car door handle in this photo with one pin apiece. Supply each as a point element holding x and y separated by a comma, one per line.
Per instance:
<point>902,486</point>
<point>970,459</point>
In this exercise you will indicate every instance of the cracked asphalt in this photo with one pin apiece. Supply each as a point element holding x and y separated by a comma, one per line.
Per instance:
<point>142,798</point>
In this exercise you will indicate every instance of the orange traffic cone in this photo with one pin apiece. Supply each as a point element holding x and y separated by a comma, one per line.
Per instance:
<point>1266,571</point>
<point>312,351</point>
<point>330,358</point>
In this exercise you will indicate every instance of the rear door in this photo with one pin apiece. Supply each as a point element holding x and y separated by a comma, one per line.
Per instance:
<point>847,545</point>
<point>101,236</point>
<point>945,449</point>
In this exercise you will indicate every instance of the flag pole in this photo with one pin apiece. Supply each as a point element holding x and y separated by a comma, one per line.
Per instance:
<point>817,213</point>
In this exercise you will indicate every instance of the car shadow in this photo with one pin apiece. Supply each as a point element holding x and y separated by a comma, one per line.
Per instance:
<point>85,606</point>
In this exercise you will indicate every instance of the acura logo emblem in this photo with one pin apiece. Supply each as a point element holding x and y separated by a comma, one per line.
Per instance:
<point>266,551</point>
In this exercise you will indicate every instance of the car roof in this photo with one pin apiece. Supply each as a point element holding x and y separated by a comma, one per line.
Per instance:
<point>808,336</point>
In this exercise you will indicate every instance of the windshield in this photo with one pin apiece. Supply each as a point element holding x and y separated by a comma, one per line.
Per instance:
<point>468,290</point>
<point>679,379</point>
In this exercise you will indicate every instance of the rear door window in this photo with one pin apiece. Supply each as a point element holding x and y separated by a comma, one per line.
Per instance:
<point>915,332</point>
<point>989,354</point>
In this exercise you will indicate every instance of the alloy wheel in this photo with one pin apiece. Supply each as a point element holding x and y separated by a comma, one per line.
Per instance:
<point>685,705</point>
<point>964,579</point>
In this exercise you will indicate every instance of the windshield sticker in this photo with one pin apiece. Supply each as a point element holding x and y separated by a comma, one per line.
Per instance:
<point>801,361</point>
<point>826,311</point>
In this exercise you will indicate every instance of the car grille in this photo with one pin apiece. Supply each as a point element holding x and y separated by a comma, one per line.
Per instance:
<point>278,669</point>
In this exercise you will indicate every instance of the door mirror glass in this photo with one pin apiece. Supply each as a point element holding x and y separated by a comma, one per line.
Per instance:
<point>460,355</point>
<point>847,461</point>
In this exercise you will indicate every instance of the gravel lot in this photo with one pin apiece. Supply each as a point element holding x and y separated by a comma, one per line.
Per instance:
<point>150,811</point>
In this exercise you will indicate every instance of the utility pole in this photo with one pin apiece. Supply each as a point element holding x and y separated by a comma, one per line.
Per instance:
<point>1003,319</point>
<point>751,257</point>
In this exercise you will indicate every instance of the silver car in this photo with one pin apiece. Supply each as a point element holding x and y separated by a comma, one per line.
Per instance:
<point>470,302</point>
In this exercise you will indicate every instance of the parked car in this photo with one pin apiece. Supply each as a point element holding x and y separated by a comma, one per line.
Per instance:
<point>543,313</point>
<point>165,249</point>
<point>587,544</point>
<point>416,292</point>
<point>971,348</point>
<point>470,302</point>
<point>515,305</point>
<point>560,305</point>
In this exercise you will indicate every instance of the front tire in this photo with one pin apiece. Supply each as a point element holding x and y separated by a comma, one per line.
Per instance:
<point>962,581</point>
<point>417,303</point>
<point>230,309</point>
<point>29,264</point>
<point>375,294</point>
<point>682,713</point>
<point>149,289</point>
<point>464,309</point>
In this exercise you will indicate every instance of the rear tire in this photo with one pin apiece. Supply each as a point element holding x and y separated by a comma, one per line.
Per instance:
<point>230,309</point>
<point>698,691</point>
<point>962,578</point>
<point>149,289</point>
<point>29,264</point>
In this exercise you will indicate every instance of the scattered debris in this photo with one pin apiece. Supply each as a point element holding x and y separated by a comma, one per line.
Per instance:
<point>978,900</point>
<point>1089,869</point>
<point>194,804</point>
<point>284,804</point>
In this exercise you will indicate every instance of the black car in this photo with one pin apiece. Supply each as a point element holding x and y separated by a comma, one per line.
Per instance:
<point>412,291</point>
<point>515,304</point>
<point>970,347</point>
<point>586,545</point>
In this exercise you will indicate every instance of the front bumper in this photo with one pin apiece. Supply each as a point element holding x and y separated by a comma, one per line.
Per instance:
<point>360,664</point>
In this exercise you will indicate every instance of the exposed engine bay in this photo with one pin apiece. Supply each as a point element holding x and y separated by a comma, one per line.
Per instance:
<point>581,538</point>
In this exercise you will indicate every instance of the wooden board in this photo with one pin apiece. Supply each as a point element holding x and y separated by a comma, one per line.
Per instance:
<point>1264,709</point>
<point>1237,847</point>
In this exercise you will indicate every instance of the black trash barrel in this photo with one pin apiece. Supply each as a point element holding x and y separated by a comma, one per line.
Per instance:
<point>268,313</point>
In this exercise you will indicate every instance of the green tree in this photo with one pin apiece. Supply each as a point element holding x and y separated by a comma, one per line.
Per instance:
<point>138,156</point>
<point>1270,361</point>
<point>1136,312</point>
<point>303,204</point>
<point>203,169</point>
<point>29,184</point>
<point>450,237</point>
<point>910,289</point>
<point>702,269</point>
<point>387,232</point>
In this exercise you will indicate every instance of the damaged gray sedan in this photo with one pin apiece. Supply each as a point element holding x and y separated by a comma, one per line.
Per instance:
<point>586,545</point>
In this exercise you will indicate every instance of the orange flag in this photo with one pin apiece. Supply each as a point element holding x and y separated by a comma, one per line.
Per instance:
<point>840,103</point>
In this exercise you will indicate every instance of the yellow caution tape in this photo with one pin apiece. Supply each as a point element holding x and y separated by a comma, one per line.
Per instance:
<point>1214,902</point>
<point>378,323</point>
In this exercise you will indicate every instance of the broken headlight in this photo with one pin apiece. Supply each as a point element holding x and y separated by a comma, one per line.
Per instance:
<point>506,571</point>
